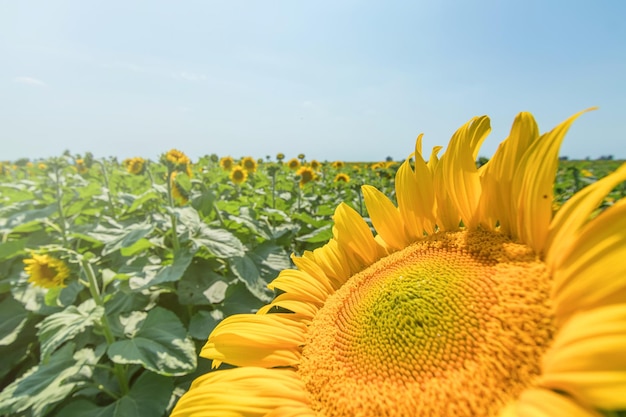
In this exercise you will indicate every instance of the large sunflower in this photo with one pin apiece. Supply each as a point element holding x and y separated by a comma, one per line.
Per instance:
<point>472,299</point>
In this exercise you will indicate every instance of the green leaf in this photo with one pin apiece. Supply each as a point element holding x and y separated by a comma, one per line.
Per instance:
<point>323,234</point>
<point>200,286</point>
<point>48,383</point>
<point>128,238</point>
<point>168,273</point>
<point>139,246</point>
<point>13,316</point>
<point>240,300</point>
<point>203,322</point>
<point>143,198</point>
<point>247,271</point>
<point>22,218</point>
<point>60,327</point>
<point>160,345</point>
<point>63,296</point>
<point>148,397</point>
<point>12,248</point>
<point>219,242</point>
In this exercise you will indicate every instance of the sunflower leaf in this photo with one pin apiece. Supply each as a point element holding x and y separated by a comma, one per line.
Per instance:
<point>149,396</point>
<point>13,317</point>
<point>60,327</point>
<point>160,345</point>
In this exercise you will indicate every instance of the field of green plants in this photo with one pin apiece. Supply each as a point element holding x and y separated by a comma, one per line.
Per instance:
<point>113,274</point>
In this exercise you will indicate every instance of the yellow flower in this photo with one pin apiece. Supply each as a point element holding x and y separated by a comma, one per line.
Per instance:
<point>471,300</point>
<point>586,173</point>
<point>135,165</point>
<point>315,165</point>
<point>377,165</point>
<point>338,164</point>
<point>342,177</point>
<point>177,157</point>
<point>45,271</point>
<point>227,163</point>
<point>238,175</point>
<point>280,156</point>
<point>293,163</point>
<point>306,175</point>
<point>249,164</point>
<point>80,166</point>
<point>179,194</point>
<point>42,166</point>
<point>301,156</point>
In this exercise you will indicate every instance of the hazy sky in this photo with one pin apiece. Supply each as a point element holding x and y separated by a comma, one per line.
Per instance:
<point>350,80</point>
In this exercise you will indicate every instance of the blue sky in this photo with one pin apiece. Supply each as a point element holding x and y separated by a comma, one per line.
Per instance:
<point>336,80</point>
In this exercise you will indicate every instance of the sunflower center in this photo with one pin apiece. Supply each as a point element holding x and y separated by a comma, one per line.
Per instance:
<point>453,325</point>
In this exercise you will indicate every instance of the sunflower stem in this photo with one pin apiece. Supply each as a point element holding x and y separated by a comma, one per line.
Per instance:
<point>105,175</point>
<point>170,199</point>
<point>94,289</point>
<point>59,195</point>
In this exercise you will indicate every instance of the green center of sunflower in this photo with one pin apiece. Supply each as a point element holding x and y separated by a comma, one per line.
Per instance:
<point>453,325</point>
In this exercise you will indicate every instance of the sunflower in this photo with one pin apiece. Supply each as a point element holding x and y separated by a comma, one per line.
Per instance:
<point>249,164</point>
<point>238,175</point>
<point>338,164</point>
<point>301,156</point>
<point>306,175</point>
<point>471,300</point>
<point>80,166</point>
<point>135,166</point>
<point>280,156</point>
<point>45,271</point>
<point>293,163</point>
<point>341,177</point>
<point>181,196</point>
<point>177,161</point>
<point>227,163</point>
<point>315,164</point>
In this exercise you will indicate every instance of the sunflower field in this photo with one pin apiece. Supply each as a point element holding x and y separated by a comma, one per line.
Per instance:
<point>113,274</point>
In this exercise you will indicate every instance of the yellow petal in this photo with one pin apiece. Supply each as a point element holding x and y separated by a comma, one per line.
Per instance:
<point>537,169</point>
<point>537,402</point>
<point>353,234</point>
<point>575,213</point>
<point>448,217</point>
<point>310,267</point>
<point>249,391</point>
<point>256,340</point>
<point>497,199</point>
<point>385,217</point>
<point>587,358</point>
<point>592,271</point>
<point>459,168</point>
<point>301,286</point>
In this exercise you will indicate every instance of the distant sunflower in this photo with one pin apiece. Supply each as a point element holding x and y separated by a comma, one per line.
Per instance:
<point>341,177</point>
<point>179,194</point>
<point>249,164</point>
<point>80,166</point>
<point>472,300</point>
<point>177,161</point>
<point>238,175</point>
<point>293,163</point>
<point>301,156</point>
<point>306,175</point>
<point>315,164</point>
<point>338,164</point>
<point>42,166</point>
<point>280,156</point>
<point>135,166</point>
<point>45,271</point>
<point>227,163</point>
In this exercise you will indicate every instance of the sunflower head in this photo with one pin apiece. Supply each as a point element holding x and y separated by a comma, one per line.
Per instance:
<point>238,175</point>
<point>176,160</point>
<point>227,163</point>
<point>249,164</point>
<point>280,156</point>
<point>180,195</point>
<point>315,164</point>
<point>470,300</point>
<point>46,271</point>
<point>81,166</point>
<point>301,156</point>
<point>135,166</point>
<point>41,166</point>
<point>341,177</point>
<point>338,164</point>
<point>293,163</point>
<point>306,175</point>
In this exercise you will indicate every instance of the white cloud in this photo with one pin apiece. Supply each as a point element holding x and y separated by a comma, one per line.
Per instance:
<point>29,81</point>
